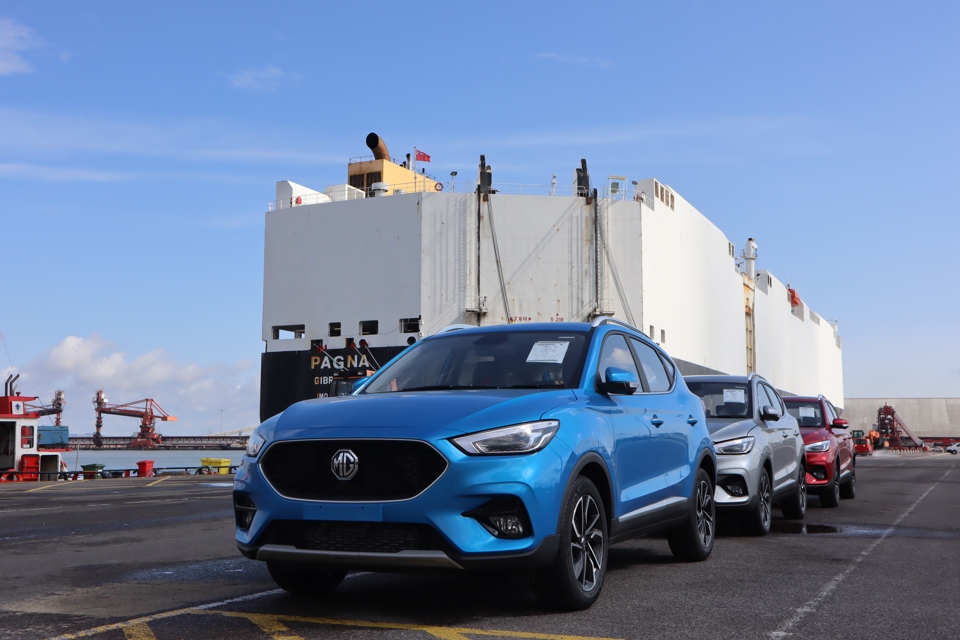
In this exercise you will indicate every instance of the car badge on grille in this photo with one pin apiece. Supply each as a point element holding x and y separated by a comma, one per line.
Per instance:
<point>344,464</point>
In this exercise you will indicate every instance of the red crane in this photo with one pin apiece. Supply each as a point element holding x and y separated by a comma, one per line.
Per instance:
<point>147,410</point>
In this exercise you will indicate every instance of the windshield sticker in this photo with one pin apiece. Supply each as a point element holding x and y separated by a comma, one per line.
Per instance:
<point>734,395</point>
<point>547,351</point>
<point>808,412</point>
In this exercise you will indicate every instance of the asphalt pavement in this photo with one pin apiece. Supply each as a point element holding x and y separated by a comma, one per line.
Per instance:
<point>154,558</point>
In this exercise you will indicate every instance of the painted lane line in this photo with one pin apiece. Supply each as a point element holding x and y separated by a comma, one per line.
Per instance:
<point>446,633</point>
<point>811,606</point>
<point>86,633</point>
<point>150,484</point>
<point>139,632</point>
<point>272,625</point>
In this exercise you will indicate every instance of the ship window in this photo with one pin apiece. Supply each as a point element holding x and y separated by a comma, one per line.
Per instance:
<point>334,329</point>
<point>663,336</point>
<point>409,325</point>
<point>369,327</point>
<point>356,181</point>
<point>672,202</point>
<point>651,332</point>
<point>288,331</point>
<point>373,176</point>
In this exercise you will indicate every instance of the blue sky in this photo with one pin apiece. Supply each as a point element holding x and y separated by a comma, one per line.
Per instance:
<point>140,144</point>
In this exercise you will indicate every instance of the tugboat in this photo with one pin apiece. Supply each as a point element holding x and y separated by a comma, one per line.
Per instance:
<point>23,455</point>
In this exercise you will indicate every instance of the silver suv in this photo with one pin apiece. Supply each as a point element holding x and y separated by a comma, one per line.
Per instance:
<point>760,455</point>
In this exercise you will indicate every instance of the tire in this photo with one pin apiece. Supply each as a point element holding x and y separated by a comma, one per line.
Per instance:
<point>759,519</point>
<point>304,581</point>
<point>831,493</point>
<point>693,540</point>
<point>574,581</point>
<point>794,506</point>
<point>848,490</point>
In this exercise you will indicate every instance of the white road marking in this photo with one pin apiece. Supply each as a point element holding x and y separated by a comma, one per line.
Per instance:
<point>810,606</point>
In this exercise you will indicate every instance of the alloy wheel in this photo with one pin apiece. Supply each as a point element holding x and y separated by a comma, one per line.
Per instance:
<point>586,543</point>
<point>766,500</point>
<point>705,514</point>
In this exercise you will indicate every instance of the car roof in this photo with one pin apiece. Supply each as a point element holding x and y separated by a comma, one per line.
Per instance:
<point>801,399</point>
<point>719,378</point>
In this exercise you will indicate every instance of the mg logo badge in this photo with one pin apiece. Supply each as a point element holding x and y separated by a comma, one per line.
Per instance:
<point>344,464</point>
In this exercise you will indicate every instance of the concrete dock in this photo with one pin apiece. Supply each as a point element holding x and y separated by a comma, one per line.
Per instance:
<point>154,558</point>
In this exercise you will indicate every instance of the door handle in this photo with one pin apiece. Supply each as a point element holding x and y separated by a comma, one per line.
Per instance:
<point>692,421</point>
<point>656,421</point>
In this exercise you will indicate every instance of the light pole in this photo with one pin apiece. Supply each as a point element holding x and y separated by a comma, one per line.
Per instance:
<point>453,185</point>
<point>221,421</point>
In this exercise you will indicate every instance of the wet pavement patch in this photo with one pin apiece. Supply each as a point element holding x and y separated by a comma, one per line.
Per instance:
<point>860,531</point>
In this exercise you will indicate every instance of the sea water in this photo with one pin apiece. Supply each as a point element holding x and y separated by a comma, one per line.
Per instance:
<point>162,458</point>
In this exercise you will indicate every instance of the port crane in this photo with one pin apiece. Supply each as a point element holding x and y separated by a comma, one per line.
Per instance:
<point>55,408</point>
<point>147,410</point>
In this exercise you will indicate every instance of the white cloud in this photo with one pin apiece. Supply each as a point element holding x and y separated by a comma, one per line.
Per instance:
<point>14,39</point>
<point>32,134</point>
<point>193,393</point>
<point>576,60</point>
<point>266,78</point>
<point>56,174</point>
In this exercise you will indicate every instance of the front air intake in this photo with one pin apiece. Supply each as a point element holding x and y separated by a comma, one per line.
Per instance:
<point>345,470</point>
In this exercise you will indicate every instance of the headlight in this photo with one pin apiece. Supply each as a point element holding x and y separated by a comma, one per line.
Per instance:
<point>520,438</point>
<point>255,443</point>
<point>734,447</point>
<point>817,447</point>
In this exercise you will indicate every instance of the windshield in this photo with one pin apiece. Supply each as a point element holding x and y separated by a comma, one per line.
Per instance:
<point>807,413</point>
<point>494,360</point>
<point>723,399</point>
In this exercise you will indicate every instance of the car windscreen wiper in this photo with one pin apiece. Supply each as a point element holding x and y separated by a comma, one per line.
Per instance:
<point>444,387</point>
<point>539,385</point>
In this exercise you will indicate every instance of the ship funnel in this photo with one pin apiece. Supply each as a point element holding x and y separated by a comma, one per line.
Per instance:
<point>485,176</point>
<point>583,179</point>
<point>378,147</point>
<point>750,259</point>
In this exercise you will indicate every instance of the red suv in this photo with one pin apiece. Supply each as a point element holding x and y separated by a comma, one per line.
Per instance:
<point>831,458</point>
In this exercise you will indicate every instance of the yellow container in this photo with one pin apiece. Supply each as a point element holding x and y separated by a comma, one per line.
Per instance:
<point>219,465</point>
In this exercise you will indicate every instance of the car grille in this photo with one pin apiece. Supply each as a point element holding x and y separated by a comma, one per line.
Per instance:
<point>353,537</point>
<point>386,470</point>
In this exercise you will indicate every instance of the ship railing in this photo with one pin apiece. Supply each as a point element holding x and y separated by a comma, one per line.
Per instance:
<point>470,187</point>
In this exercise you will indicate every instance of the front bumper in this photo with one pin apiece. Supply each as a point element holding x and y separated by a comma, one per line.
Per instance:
<point>737,472</point>
<point>450,540</point>
<point>820,469</point>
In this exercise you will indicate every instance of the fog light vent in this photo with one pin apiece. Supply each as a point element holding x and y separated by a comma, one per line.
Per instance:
<point>244,510</point>
<point>733,485</point>
<point>503,517</point>
<point>820,473</point>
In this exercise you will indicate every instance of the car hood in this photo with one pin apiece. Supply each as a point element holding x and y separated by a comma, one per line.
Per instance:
<point>722,429</point>
<point>811,434</point>
<point>422,414</point>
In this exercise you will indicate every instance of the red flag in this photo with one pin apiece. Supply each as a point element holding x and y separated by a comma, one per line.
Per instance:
<point>422,157</point>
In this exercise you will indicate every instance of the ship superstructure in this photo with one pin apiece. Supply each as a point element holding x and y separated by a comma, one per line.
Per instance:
<point>356,273</point>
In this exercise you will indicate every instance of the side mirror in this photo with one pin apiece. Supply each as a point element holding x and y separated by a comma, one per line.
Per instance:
<point>769,414</point>
<point>840,423</point>
<point>618,381</point>
<point>358,384</point>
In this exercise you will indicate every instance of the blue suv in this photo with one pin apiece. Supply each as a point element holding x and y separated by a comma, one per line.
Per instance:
<point>485,448</point>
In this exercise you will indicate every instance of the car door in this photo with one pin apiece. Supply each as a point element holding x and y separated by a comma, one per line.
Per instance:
<point>670,436</point>
<point>636,471</point>
<point>784,434</point>
<point>842,434</point>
